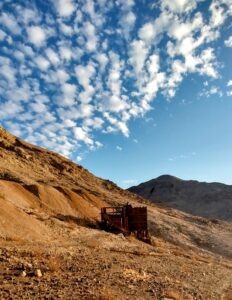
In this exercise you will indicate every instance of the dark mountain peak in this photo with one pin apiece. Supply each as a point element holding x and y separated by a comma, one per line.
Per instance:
<point>213,200</point>
<point>167,177</point>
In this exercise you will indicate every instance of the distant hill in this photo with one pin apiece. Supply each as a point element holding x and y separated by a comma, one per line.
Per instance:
<point>212,200</point>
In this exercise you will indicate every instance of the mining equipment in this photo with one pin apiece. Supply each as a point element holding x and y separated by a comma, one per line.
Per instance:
<point>126,219</point>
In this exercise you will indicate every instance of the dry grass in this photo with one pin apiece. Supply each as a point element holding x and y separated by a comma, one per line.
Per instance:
<point>176,295</point>
<point>107,294</point>
<point>54,264</point>
<point>18,241</point>
<point>133,274</point>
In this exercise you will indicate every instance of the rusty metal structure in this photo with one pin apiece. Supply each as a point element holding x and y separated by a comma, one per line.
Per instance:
<point>126,219</point>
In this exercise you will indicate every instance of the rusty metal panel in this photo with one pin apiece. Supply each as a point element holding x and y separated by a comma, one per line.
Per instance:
<point>137,217</point>
<point>127,219</point>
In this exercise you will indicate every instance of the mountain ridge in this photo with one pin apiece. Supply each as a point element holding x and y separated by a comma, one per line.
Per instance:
<point>189,195</point>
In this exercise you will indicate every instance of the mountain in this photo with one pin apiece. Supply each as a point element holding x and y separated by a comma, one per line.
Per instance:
<point>52,247</point>
<point>211,200</point>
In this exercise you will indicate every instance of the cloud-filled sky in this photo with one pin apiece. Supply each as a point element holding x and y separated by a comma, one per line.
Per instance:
<point>103,81</point>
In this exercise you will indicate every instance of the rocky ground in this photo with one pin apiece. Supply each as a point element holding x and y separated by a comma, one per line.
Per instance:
<point>100,265</point>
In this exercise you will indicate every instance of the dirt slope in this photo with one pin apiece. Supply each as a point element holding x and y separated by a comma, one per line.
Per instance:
<point>33,179</point>
<point>49,208</point>
<point>211,200</point>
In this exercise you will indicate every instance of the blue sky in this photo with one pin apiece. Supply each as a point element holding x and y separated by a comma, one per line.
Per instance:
<point>129,89</point>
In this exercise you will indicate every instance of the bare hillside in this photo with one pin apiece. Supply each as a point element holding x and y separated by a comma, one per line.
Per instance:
<point>211,200</point>
<point>48,222</point>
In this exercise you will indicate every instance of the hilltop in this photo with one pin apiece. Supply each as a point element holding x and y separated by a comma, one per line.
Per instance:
<point>211,200</point>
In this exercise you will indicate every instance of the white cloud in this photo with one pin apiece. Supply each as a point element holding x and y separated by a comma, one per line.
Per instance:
<point>119,148</point>
<point>10,23</point>
<point>7,70</point>
<point>138,54</point>
<point>114,81</point>
<point>207,61</point>
<point>65,8</point>
<point>42,63</point>
<point>96,17</point>
<point>92,86</point>
<point>179,6</point>
<point>19,55</point>
<point>213,90</point>
<point>27,50</point>
<point>86,110</point>
<point>82,135</point>
<point>21,93</point>
<point>62,75</point>
<point>126,5</point>
<point>218,14</point>
<point>36,35</point>
<point>152,86</point>
<point>98,144</point>
<point>96,123</point>
<point>79,17</point>
<point>229,83</point>
<point>89,8</point>
<point>90,34</point>
<point>2,35</point>
<point>67,30</point>
<point>127,22</point>
<point>116,125</point>
<point>153,64</point>
<point>150,32</point>
<point>69,94</point>
<point>65,53</point>
<point>69,90</point>
<point>115,104</point>
<point>69,123</point>
<point>79,158</point>
<point>102,59</point>
<point>52,56</point>
<point>180,30</point>
<point>147,32</point>
<point>10,109</point>
<point>38,107</point>
<point>123,128</point>
<point>84,74</point>
<point>86,95</point>
<point>228,42</point>
<point>27,15</point>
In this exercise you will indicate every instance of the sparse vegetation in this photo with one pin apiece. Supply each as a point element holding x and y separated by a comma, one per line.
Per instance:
<point>54,264</point>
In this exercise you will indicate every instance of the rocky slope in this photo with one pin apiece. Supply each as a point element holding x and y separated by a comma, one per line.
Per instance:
<point>211,200</point>
<point>51,246</point>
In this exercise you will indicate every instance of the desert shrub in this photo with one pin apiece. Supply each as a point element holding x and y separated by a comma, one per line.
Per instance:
<point>54,264</point>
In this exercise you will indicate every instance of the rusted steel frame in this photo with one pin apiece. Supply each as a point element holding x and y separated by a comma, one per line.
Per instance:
<point>127,219</point>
